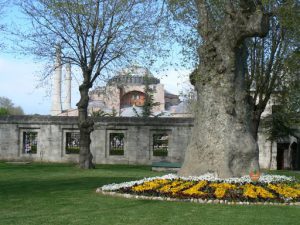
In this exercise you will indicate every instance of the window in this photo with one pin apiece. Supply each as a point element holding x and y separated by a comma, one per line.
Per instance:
<point>116,143</point>
<point>72,142</point>
<point>30,142</point>
<point>135,97</point>
<point>160,144</point>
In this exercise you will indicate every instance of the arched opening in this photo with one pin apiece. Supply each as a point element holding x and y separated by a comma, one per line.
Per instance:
<point>133,98</point>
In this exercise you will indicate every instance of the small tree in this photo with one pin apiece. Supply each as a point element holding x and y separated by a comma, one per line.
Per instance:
<point>147,108</point>
<point>285,118</point>
<point>8,108</point>
<point>98,36</point>
<point>270,66</point>
<point>3,112</point>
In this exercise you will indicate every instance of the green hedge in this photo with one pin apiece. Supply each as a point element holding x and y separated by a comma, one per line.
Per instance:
<point>116,152</point>
<point>160,152</point>
<point>72,150</point>
<point>33,149</point>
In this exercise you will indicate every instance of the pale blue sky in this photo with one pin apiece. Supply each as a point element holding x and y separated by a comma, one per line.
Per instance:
<point>19,81</point>
<point>20,75</point>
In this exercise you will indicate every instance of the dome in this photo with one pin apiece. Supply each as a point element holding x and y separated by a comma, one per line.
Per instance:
<point>135,70</point>
<point>134,75</point>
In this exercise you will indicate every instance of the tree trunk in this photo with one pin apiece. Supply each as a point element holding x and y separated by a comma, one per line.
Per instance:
<point>255,124</point>
<point>271,156</point>
<point>222,142</point>
<point>86,127</point>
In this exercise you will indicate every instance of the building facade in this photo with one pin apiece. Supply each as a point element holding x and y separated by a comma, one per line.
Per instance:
<point>123,95</point>
<point>128,89</point>
<point>118,140</point>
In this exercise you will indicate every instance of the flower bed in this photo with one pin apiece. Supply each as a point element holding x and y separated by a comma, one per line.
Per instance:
<point>269,189</point>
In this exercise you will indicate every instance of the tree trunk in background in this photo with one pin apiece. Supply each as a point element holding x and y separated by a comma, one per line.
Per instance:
<point>222,141</point>
<point>255,124</point>
<point>86,127</point>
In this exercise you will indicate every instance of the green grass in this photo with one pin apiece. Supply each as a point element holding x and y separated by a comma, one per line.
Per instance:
<point>64,194</point>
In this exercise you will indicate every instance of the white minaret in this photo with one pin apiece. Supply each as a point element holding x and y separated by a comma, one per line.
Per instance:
<point>67,101</point>
<point>56,95</point>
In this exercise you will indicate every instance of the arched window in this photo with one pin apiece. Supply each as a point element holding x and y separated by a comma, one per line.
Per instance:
<point>132,98</point>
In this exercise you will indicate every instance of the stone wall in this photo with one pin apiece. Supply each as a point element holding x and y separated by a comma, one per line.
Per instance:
<point>138,140</point>
<point>51,138</point>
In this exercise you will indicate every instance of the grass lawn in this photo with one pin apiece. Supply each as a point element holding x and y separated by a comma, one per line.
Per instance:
<point>64,194</point>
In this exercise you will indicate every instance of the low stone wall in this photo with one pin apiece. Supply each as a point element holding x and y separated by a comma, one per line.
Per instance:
<point>51,140</point>
<point>139,133</point>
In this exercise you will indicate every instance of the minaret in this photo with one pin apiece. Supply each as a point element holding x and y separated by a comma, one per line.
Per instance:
<point>67,101</point>
<point>56,95</point>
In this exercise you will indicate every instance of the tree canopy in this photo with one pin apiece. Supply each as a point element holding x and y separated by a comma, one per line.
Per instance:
<point>97,36</point>
<point>3,5</point>
<point>7,107</point>
<point>221,141</point>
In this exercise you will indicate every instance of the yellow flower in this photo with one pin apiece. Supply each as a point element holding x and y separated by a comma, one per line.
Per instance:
<point>221,188</point>
<point>285,190</point>
<point>181,186</point>
<point>168,188</point>
<point>149,185</point>
<point>195,190</point>
<point>253,191</point>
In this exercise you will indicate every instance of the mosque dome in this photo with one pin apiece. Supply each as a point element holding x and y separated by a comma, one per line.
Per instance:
<point>135,70</point>
<point>134,75</point>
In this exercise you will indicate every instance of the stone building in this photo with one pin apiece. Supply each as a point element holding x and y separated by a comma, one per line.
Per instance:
<point>120,139</point>
<point>127,90</point>
<point>117,140</point>
<point>123,95</point>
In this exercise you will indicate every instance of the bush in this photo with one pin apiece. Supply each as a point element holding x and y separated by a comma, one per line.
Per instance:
<point>33,149</point>
<point>116,152</point>
<point>160,152</point>
<point>3,112</point>
<point>72,150</point>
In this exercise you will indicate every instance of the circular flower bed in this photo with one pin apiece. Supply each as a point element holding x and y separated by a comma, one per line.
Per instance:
<point>271,189</point>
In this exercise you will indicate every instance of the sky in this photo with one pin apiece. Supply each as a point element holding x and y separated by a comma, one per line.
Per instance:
<point>20,78</point>
<point>20,82</point>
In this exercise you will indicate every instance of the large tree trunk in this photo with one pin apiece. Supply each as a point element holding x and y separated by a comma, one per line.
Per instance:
<point>86,127</point>
<point>222,142</point>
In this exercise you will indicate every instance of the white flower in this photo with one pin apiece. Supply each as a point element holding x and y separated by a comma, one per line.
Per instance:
<point>264,178</point>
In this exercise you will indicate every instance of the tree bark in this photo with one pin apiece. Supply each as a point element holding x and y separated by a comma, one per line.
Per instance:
<point>86,127</point>
<point>255,124</point>
<point>222,142</point>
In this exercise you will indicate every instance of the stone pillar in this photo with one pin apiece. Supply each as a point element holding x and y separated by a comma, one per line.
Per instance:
<point>67,102</point>
<point>56,94</point>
